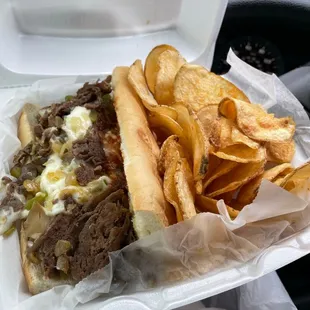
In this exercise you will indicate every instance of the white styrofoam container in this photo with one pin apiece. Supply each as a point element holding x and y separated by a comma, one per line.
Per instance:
<point>52,38</point>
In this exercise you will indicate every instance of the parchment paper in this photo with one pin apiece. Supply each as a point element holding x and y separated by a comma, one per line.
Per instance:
<point>201,247</point>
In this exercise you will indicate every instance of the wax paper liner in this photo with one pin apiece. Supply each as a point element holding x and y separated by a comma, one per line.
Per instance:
<point>189,251</point>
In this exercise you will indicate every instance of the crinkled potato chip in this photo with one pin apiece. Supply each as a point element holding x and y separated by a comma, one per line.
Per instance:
<point>207,204</point>
<point>230,135</point>
<point>184,184</point>
<point>166,123</point>
<point>208,117</point>
<point>282,152</point>
<point>184,119</point>
<point>170,150</point>
<point>170,189</point>
<point>195,142</point>
<point>196,87</point>
<point>241,153</point>
<point>237,137</point>
<point>296,177</point>
<point>152,66</point>
<point>255,122</point>
<point>138,83</point>
<point>224,167</point>
<point>249,191</point>
<point>237,177</point>
<point>200,150</point>
<point>169,63</point>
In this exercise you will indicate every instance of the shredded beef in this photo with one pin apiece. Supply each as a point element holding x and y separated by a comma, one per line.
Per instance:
<point>6,180</point>
<point>23,155</point>
<point>84,174</point>
<point>91,96</point>
<point>11,200</point>
<point>100,226</point>
<point>29,172</point>
<point>89,149</point>
<point>105,231</point>
<point>38,130</point>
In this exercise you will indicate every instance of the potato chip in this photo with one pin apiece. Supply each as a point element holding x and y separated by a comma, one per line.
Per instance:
<point>196,87</point>
<point>166,123</point>
<point>170,189</point>
<point>280,170</point>
<point>282,152</point>
<point>184,184</point>
<point>170,150</point>
<point>195,141</point>
<point>249,191</point>
<point>151,67</point>
<point>296,177</point>
<point>278,181</point>
<point>184,119</point>
<point>208,117</point>
<point>169,63</point>
<point>237,137</point>
<point>138,83</point>
<point>255,122</point>
<point>241,153</point>
<point>200,150</point>
<point>224,167</point>
<point>207,204</point>
<point>227,197</point>
<point>229,135</point>
<point>237,177</point>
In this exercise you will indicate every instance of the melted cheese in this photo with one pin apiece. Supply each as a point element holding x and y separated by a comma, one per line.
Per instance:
<point>53,182</point>
<point>8,217</point>
<point>53,177</point>
<point>77,123</point>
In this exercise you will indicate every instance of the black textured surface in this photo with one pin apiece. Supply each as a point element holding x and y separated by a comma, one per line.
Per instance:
<point>282,24</point>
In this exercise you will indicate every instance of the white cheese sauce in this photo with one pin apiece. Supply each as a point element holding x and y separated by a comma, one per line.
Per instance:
<point>53,177</point>
<point>77,123</point>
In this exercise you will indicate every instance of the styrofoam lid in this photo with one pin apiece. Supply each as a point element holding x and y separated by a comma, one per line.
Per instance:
<point>90,37</point>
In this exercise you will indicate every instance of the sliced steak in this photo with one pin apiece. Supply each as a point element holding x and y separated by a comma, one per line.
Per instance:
<point>93,230</point>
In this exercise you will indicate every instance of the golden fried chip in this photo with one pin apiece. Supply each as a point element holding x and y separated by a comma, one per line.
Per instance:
<point>166,123</point>
<point>241,153</point>
<point>138,83</point>
<point>208,117</point>
<point>170,189</point>
<point>207,204</point>
<point>229,135</point>
<point>249,191</point>
<point>195,142</point>
<point>280,170</point>
<point>200,151</point>
<point>196,87</point>
<point>256,123</point>
<point>237,177</point>
<point>152,66</point>
<point>237,137</point>
<point>184,184</point>
<point>184,119</point>
<point>282,152</point>
<point>278,181</point>
<point>170,151</point>
<point>227,197</point>
<point>169,63</point>
<point>296,177</point>
<point>224,167</point>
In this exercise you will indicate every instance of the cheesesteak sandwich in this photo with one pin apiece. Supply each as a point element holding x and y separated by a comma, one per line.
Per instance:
<point>84,184</point>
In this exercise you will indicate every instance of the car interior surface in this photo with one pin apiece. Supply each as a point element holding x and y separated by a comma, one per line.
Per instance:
<point>272,36</point>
